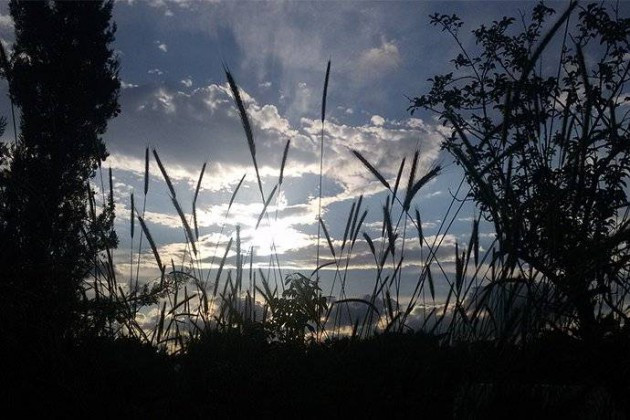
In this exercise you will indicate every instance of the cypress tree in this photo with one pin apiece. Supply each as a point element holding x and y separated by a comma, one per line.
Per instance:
<point>63,78</point>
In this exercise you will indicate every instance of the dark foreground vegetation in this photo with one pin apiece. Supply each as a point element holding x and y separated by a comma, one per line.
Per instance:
<point>533,325</point>
<point>231,374</point>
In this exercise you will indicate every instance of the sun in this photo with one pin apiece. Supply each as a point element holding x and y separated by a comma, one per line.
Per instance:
<point>277,237</point>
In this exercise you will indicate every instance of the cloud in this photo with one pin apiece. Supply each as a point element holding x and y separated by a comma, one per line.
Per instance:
<point>378,61</point>
<point>188,128</point>
<point>126,85</point>
<point>433,194</point>
<point>156,72</point>
<point>162,46</point>
<point>186,82</point>
<point>282,43</point>
<point>382,145</point>
<point>377,120</point>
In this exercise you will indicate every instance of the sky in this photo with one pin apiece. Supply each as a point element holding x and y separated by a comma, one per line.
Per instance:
<point>175,99</point>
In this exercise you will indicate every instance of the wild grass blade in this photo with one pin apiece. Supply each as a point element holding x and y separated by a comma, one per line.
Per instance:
<point>321,161</point>
<point>264,210</point>
<point>194,203</point>
<point>191,238</point>
<point>370,243</point>
<point>235,192</point>
<point>433,172</point>
<point>357,300</point>
<point>164,174</point>
<point>419,227</point>
<point>398,176</point>
<point>345,232</point>
<point>111,189</point>
<point>372,169</point>
<point>390,230</point>
<point>543,44</point>
<point>220,270</point>
<point>151,241</point>
<point>353,228</point>
<point>246,125</point>
<point>322,266</point>
<point>475,241</point>
<point>431,284</point>
<point>132,218</point>
<point>284,161</point>
<point>412,176</point>
<point>325,93</point>
<point>146,171</point>
<point>358,228</point>
<point>132,227</point>
<point>330,244</point>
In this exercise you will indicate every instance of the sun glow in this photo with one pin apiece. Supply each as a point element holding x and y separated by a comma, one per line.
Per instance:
<point>278,234</point>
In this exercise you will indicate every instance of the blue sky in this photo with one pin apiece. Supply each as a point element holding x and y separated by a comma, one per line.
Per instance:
<point>175,99</point>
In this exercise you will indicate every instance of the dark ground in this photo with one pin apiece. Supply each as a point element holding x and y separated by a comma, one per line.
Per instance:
<point>229,375</point>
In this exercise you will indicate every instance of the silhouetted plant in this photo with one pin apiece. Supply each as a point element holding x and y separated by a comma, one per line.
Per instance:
<point>297,311</point>
<point>64,81</point>
<point>538,125</point>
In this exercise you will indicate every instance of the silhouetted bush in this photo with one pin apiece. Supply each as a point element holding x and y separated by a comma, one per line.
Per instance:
<point>537,123</point>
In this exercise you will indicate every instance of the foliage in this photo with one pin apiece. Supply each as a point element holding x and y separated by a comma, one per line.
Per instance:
<point>539,125</point>
<point>300,308</point>
<point>63,78</point>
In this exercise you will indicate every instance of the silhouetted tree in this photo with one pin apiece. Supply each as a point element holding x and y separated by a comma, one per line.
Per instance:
<point>539,124</point>
<point>63,77</point>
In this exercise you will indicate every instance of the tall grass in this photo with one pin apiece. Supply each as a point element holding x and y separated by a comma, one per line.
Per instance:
<point>481,302</point>
<point>477,293</point>
<point>321,164</point>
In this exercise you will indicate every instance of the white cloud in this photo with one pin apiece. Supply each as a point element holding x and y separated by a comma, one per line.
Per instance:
<point>433,194</point>
<point>376,62</point>
<point>187,82</point>
<point>205,121</point>
<point>162,46</point>
<point>126,85</point>
<point>377,120</point>
<point>156,72</point>
<point>264,85</point>
<point>345,110</point>
<point>382,145</point>
<point>164,101</point>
